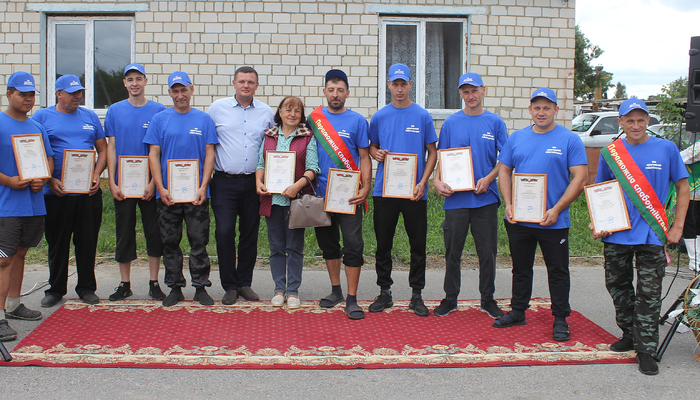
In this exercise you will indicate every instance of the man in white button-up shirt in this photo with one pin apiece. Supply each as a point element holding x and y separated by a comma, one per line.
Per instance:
<point>240,123</point>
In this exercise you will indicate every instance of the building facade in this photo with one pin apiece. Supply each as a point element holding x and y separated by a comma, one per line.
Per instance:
<point>516,45</point>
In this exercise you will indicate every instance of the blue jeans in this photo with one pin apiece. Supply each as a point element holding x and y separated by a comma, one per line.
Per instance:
<point>286,251</point>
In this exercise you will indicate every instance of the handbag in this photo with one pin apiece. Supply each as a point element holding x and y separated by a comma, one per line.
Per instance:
<point>306,211</point>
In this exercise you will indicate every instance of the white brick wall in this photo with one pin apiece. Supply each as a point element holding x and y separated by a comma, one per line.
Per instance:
<point>517,46</point>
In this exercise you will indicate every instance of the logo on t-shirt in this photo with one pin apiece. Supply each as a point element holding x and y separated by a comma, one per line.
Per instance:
<point>145,126</point>
<point>654,165</point>
<point>488,135</point>
<point>554,150</point>
<point>344,134</point>
<point>195,131</point>
<point>89,127</point>
<point>412,129</point>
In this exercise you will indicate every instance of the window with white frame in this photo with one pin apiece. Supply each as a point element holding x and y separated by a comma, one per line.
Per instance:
<point>434,49</point>
<point>96,49</point>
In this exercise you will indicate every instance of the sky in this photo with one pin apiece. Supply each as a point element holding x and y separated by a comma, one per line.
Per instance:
<point>646,42</point>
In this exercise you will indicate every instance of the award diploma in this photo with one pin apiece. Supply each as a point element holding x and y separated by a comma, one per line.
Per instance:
<point>279,170</point>
<point>342,185</point>
<point>456,168</point>
<point>183,180</point>
<point>78,167</point>
<point>133,175</point>
<point>607,207</point>
<point>30,156</point>
<point>399,175</point>
<point>529,197</point>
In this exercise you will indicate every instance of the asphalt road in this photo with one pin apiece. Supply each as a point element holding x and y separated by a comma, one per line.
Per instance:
<point>678,378</point>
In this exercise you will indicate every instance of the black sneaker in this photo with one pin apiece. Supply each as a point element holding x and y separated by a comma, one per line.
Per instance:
<point>647,364</point>
<point>381,303</point>
<point>154,291</point>
<point>174,297</point>
<point>491,307</point>
<point>446,306</point>
<point>203,297</point>
<point>121,292</point>
<point>622,345</point>
<point>418,307</point>
<point>6,333</point>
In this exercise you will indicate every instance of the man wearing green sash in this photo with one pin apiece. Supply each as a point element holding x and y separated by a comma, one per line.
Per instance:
<point>644,166</point>
<point>343,143</point>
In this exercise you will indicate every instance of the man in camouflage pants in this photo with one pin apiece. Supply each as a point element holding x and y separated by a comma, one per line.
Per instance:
<point>645,167</point>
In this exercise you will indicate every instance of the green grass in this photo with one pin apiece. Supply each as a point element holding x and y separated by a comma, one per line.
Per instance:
<point>581,242</point>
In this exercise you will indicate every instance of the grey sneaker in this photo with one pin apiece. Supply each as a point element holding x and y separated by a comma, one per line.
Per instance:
<point>22,312</point>
<point>6,333</point>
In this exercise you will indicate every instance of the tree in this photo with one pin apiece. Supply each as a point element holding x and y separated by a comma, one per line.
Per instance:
<point>670,107</point>
<point>620,91</point>
<point>586,77</point>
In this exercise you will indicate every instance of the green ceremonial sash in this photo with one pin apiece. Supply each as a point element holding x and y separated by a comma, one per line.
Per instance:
<point>637,187</point>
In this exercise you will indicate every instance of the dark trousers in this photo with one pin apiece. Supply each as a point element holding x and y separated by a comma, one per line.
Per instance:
<point>328,238</point>
<point>554,244</point>
<point>80,217</point>
<point>415,220</point>
<point>691,228</point>
<point>484,228</point>
<point>170,222</point>
<point>637,314</point>
<point>286,251</point>
<point>125,221</point>
<point>231,198</point>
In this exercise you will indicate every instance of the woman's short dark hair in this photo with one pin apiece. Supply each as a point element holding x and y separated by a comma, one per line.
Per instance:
<point>294,101</point>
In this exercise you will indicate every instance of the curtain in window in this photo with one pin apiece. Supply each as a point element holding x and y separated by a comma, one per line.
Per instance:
<point>435,67</point>
<point>401,47</point>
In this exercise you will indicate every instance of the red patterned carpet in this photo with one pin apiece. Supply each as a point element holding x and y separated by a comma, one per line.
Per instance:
<point>142,334</point>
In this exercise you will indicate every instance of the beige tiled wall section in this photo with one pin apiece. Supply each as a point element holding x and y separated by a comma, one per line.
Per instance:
<point>517,46</point>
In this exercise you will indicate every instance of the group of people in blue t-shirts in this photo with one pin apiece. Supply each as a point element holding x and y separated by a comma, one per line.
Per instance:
<point>221,155</point>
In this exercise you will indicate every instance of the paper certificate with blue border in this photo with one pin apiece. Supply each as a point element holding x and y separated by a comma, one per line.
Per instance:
<point>78,167</point>
<point>456,168</point>
<point>342,185</point>
<point>529,197</point>
<point>133,175</point>
<point>30,156</point>
<point>607,207</point>
<point>183,180</point>
<point>399,175</point>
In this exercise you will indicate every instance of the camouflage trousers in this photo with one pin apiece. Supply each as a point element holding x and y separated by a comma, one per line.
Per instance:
<point>636,313</point>
<point>170,223</point>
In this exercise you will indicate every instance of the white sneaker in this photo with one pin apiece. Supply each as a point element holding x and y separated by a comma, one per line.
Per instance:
<point>277,300</point>
<point>293,302</point>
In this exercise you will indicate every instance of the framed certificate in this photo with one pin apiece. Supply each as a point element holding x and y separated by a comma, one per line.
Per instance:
<point>607,207</point>
<point>133,175</point>
<point>529,197</point>
<point>456,168</point>
<point>399,175</point>
<point>279,170</point>
<point>342,185</point>
<point>30,156</point>
<point>183,180</point>
<point>78,167</point>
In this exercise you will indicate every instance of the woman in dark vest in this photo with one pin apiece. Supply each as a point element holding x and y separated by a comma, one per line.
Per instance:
<point>286,245</point>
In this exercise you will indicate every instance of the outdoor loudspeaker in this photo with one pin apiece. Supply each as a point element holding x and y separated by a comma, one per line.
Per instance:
<point>692,113</point>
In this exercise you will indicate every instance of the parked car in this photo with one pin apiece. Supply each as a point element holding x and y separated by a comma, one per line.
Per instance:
<point>670,132</point>
<point>598,129</point>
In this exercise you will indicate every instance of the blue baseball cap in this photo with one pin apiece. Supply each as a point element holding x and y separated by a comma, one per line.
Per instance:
<point>69,84</point>
<point>22,81</point>
<point>632,104</point>
<point>135,67</point>
<point>179,77</point>
<point>336,73</point>
<point>545,93</point>
<point>470,78</point>
<point>399,71</point>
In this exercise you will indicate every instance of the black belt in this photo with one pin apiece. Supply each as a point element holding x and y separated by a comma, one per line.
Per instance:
<point>237,176</point>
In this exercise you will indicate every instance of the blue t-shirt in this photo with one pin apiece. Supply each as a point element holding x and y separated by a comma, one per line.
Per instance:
<point>352,128</point>
<point>76,131</point>
<point>402,130</point>
<point>128,124</point>
<point>661,163</point>
<point>551,153</point>
<point>181,136</point>
<point>25,202</point>
<point>486,134</point>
